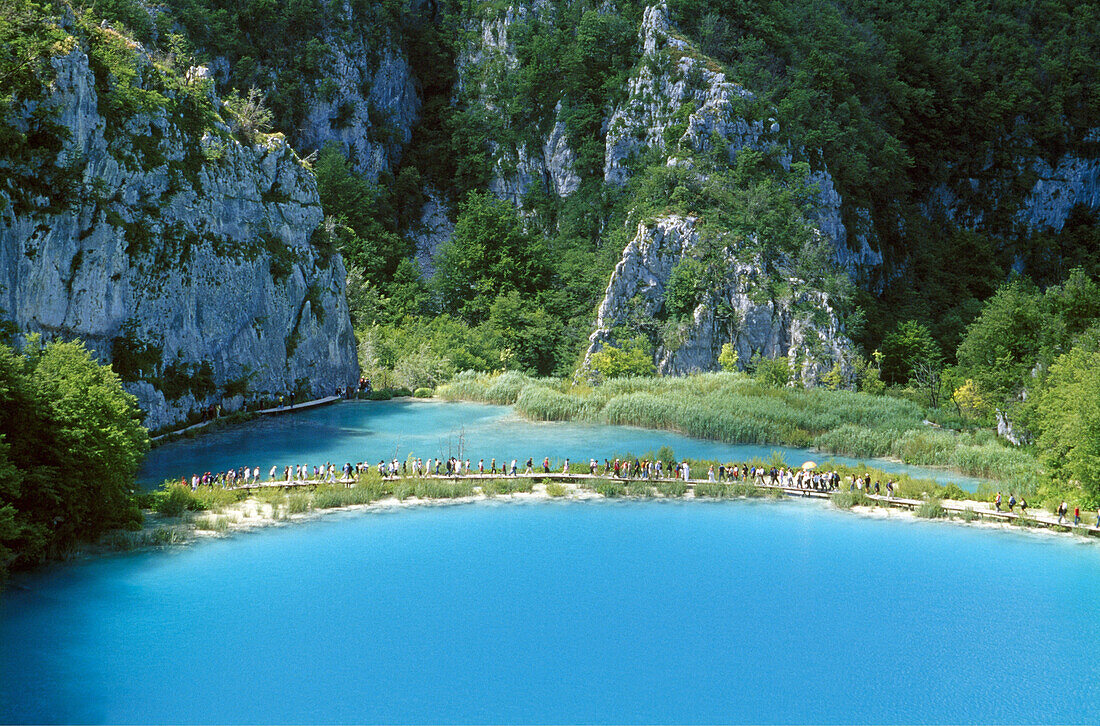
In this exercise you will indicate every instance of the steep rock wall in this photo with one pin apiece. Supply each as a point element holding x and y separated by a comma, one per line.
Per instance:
<point>189,263</point>
<point>370,107</point>
<point>543,159</point>
<point>801,326</point>
<point>681,103</point>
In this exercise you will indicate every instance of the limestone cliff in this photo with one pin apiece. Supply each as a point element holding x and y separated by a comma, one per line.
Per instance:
<point>681,103</point>
<point>800,325</point>
<point>200,265</point>
<point>527,157</point>
<point>366,102</point>
<point>683,106</point>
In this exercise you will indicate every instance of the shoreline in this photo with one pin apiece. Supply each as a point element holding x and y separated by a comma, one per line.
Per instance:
<point>252,514</point>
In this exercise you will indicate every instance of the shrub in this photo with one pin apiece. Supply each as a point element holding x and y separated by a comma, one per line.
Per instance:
<point>847,500</point>
<point>423,393</point>
<point>298,503</point>
<point>554,489</point>
<point>609,488</point>
<point>671,487</point>
<point>174,501</point>
<point>932,509</point>
<point>212,523</point>
<point>969,515</point>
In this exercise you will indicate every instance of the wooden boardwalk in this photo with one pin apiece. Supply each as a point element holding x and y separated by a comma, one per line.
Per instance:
<point>300,406</point>
<point>983,510</point>
<point>265,411</point>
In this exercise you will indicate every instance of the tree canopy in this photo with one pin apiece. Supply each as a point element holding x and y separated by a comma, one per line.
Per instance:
<point>71,441</point>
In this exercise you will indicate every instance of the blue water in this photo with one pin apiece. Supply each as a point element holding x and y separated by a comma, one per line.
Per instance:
<point>566,612</point>
<point>372,431</point>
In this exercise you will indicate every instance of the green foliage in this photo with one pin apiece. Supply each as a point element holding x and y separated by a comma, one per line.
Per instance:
<point>774,372</point>
<point>728,358</point>
<point>362,220</point>
<point>633,360</point>
<point>174,501</point>
<point>70,444</point>
<point>1068,419</point>
<point>931,509</point>
<point>553,489</point>
<point>1020,331</point>
<point>489,254</point>
<point>908,346</point>
<point>684,287</point>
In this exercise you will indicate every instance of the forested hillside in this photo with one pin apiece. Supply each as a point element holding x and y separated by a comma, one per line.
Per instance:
<point>556,185</point>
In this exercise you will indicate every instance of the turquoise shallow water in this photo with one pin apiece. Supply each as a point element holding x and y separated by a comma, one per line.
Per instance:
<point>566,612</point>
<point>370,431</point>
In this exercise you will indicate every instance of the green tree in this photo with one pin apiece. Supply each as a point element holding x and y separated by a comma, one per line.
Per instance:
<point>75,437</point>
<point>728,358</point>
<point>908,348</point>
<point>527,331</point>
<point>772,372</point>
<point>489,254</point>
<point>1068,419</point>
<point>631,360</point>
<point>1002,344</point>
<point>362,215</point>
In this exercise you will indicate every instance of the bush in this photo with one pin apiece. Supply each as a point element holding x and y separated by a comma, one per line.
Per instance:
<point>423,393</point>
<point>174,502</point>
<point>847,500</point>
<point>554,489</point>
<point>932,509</point>
<point>298,503</point>
<point>609,488</point>
<point>671,487</point>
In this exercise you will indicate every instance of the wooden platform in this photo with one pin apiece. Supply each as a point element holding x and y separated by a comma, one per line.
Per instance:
<point>301,406</point>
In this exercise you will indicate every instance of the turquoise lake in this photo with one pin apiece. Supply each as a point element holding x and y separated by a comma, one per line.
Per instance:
<point>559,611</point>
<point>371,431</point>
<point>631,612</point>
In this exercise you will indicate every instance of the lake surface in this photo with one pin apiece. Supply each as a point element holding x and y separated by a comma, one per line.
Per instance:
<point>353,431</point>
<point>630,612</point>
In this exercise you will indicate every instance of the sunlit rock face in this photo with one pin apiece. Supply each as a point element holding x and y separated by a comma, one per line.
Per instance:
<point>204,278</point>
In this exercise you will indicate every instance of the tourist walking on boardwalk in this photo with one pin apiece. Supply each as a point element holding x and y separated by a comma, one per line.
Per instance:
<point>1076,516</point>
<point>1062,509</point>
<point>1012,502</point>
<point>997,502</point>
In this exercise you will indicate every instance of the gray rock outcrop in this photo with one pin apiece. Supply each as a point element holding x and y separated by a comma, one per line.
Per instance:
<point>801,326</point>
<point>544,159</point>
<point>198,267</point>
<point>369,108</point>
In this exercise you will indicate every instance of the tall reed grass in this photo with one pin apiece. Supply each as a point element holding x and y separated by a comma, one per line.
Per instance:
<point>735,408</point>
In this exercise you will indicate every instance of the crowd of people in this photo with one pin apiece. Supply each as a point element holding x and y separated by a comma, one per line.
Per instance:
<point>642,469</point>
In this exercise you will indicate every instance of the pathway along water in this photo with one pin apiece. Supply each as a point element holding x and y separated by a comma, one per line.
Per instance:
<point>353,431</point>
<point>566,612</point>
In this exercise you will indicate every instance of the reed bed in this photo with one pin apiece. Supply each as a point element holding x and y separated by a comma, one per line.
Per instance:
<point>736,409</point>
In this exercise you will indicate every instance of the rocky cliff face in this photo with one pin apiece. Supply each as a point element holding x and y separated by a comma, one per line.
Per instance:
<point>682,105</point>
<point>1059,189</point>
<point>542,159</point>
<point>369,105</point>
<point>189,263</point>
<point>800,326</point>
